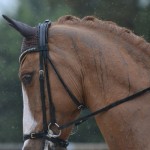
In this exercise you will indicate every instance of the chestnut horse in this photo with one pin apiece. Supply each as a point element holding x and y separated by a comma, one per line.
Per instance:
<point>100,63</point>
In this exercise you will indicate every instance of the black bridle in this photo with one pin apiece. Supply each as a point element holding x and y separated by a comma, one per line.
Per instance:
<point>44,58</point>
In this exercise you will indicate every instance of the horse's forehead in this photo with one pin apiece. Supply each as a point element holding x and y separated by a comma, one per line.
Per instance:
<point>30,60</point>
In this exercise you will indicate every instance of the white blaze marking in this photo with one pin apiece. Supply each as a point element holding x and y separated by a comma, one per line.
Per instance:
<point>25,143</point>
<point>29,122</point>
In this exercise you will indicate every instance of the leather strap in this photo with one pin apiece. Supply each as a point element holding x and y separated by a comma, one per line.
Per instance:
<point>57,141</point>
<point>105,108</point>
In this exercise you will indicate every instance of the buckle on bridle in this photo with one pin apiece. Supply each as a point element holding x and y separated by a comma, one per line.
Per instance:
<point>33,135</point>
<point>53,130</point>
<point>41,73</point>
<point>81,107</point>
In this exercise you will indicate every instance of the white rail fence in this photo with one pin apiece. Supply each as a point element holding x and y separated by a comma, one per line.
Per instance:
<point>72,146</point>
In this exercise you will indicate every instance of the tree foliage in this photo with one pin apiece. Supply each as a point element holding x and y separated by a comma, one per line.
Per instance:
<point>126,13</point>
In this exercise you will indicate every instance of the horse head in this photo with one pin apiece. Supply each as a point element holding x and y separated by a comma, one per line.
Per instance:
<point>72,62</point>
<point>47,105</point>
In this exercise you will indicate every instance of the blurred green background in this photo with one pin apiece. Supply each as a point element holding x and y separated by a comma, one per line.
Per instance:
<point>133,14</point>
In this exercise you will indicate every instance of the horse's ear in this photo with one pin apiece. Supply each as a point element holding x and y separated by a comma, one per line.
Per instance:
<point>24,29</point>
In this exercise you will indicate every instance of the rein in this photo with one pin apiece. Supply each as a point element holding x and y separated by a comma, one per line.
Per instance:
<point>44,58</point>
<point>104,109</point>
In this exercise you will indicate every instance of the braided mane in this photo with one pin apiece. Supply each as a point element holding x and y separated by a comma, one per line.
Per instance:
<point>92,22</point>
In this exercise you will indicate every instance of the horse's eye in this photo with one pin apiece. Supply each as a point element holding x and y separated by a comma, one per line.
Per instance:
<point>26,79</point>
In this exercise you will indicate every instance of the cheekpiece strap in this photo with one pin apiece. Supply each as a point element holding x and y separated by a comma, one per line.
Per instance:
<point>43,49</point>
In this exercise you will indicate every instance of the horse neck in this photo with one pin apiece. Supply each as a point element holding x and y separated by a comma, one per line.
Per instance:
<point>114,68</point>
